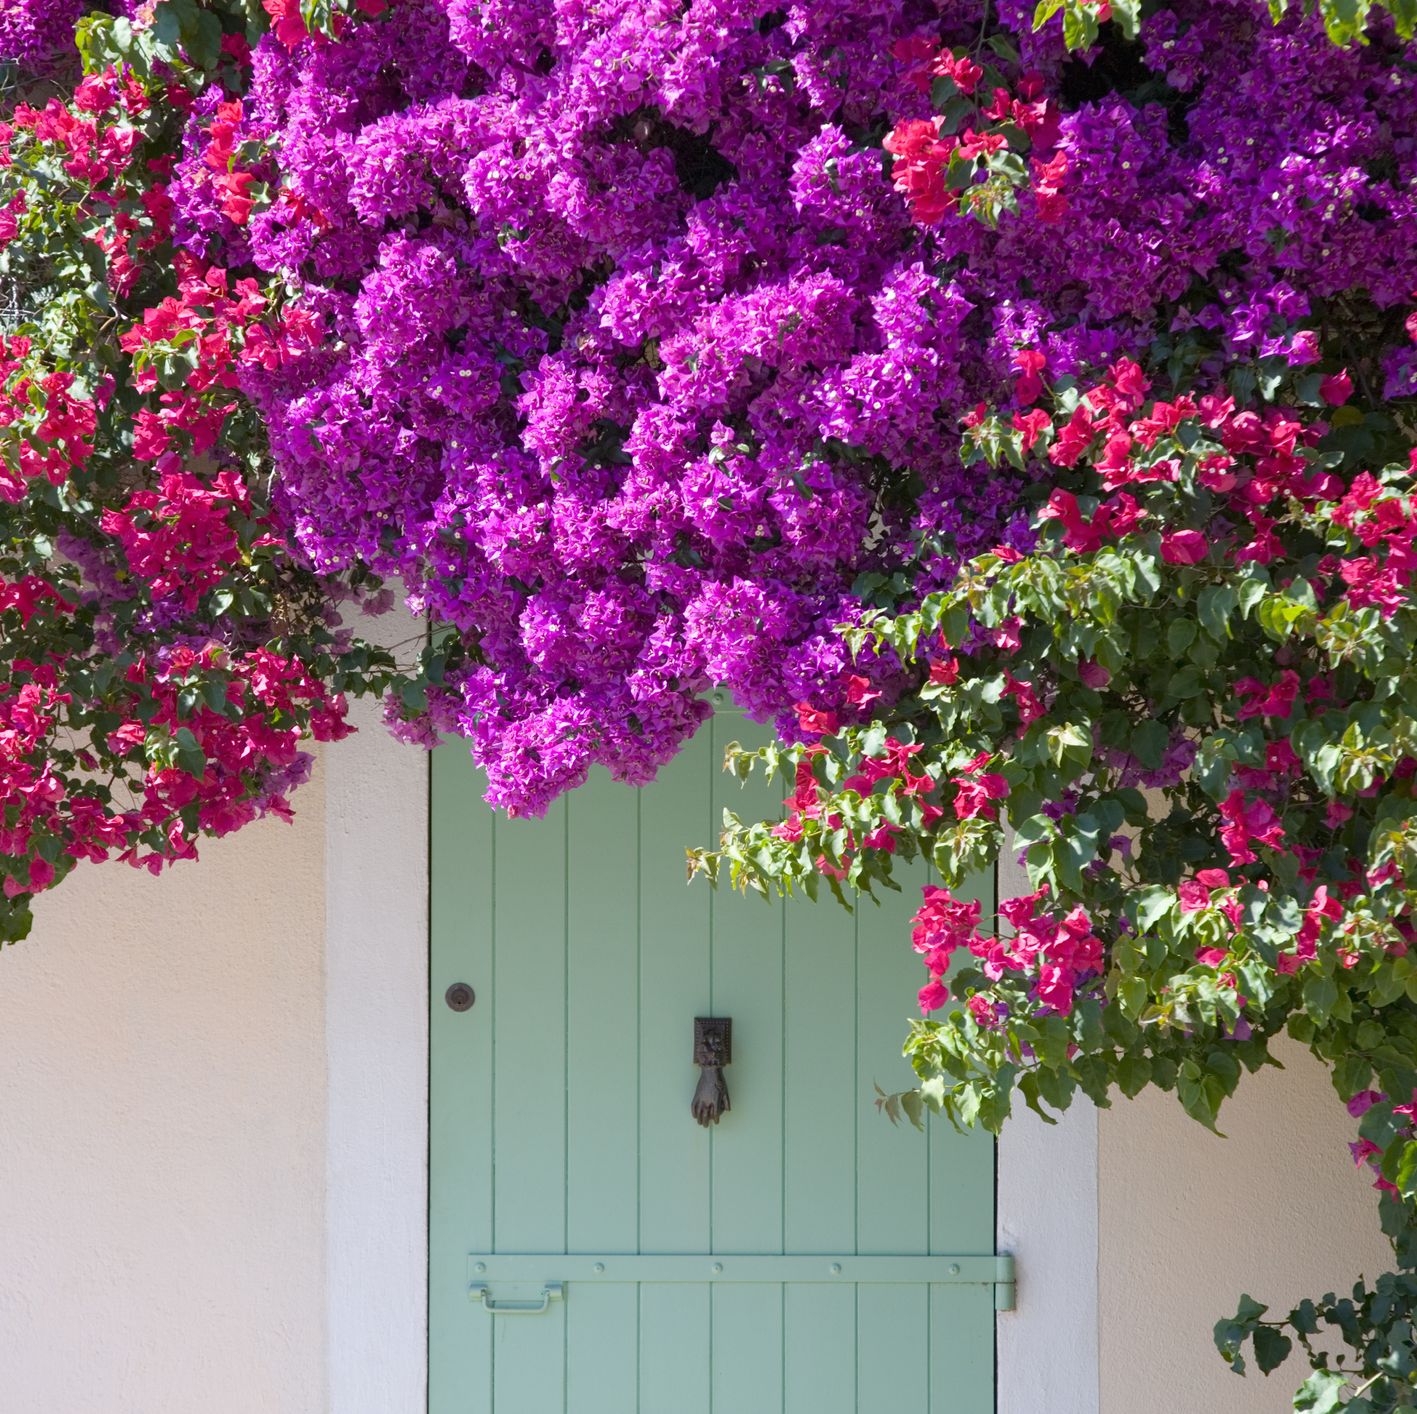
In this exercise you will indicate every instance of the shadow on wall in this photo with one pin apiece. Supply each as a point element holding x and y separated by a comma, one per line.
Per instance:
<point>1190,1220</point>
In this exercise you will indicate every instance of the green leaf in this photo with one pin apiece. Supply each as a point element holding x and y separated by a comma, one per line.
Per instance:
<point>1180,634</point>
<point>1153,903</point>
<point>1133,1074</point>
<point>1149,742</point>
<point>1272,1348</point>
<point>1404,14</point>
<point>914,1108</point>
<point>1079,24</point>
<point>1321,1393</point>
<point>1320,995</point>
<point>190,757</point>
<point>1045,11</point>
<point>1127,14</point>
<point>1215,608</point>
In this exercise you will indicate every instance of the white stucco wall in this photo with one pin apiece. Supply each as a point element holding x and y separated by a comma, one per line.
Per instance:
<point>1190,1220</point>
<point>162,1136</point>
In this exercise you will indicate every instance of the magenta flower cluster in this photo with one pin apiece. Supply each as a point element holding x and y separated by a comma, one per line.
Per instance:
<point>637,370</point>
<point>33,32</point>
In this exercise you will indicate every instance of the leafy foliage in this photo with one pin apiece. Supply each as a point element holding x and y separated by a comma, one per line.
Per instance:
<point>165,654</point>
<point>1191,709</point>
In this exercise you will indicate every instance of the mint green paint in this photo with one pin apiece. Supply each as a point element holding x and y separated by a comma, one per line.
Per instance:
<point>561,1135</point>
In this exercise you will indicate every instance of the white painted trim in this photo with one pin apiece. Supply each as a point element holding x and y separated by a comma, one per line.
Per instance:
<point>1046,1215</point>
<point>376,1045</point>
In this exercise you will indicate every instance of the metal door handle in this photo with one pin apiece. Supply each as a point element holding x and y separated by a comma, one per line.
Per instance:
<point>550,1292</point>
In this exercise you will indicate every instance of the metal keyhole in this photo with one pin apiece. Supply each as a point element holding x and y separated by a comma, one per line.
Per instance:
<point>460,996</point>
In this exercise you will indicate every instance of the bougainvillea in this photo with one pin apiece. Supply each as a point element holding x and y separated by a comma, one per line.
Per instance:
<point>1187,703</point>
<point>1011,401</point>
<point>165,656</point>
<point>634,410</point>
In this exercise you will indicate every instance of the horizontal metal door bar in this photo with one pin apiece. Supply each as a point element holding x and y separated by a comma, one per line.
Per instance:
<point>847,1270</point>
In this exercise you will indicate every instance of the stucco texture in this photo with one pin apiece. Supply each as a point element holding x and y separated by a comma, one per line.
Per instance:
<point>1189,1220</point>
<point>162,1136</point>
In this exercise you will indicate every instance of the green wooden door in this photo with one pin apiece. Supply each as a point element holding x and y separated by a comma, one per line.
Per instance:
<point>567,1171</point>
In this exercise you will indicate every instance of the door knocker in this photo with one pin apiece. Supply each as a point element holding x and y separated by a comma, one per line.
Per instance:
<point>713,1049</point>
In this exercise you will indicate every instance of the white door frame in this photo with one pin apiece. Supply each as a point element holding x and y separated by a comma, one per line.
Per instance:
<point>376,1197</point>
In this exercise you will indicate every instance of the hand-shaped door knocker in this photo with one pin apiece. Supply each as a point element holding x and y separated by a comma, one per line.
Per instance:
<point>713,1049</point>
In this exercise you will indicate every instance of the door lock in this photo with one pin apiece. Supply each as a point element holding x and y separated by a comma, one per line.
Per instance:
<point>460,996</point>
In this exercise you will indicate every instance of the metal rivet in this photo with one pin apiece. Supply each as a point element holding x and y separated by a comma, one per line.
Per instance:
<point>480,1267</point>
<point>836,1269</point>
<point>716,1268</point>
<point>598,1268</point>
<point>460,996</point>
<point>954,1269</point>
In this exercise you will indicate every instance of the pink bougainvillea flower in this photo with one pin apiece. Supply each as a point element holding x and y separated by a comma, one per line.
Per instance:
<point>944,671</point>
<point>1363,1101</point>
<point>812,721</point>
<point>859,692</point>
<point>1184,547</point>
<point>1276,699</point>
<point>983,1011</point>
<point>1336,389</point>
<point>933,995</point>
<point>1029,704</point>
<point>976,795</point>
<point>1030,364</point>
<point>1193,895</point>
<point>1247,822</point>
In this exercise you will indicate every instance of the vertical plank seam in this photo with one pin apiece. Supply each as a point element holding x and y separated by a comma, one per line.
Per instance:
<point>492,1105</point>
<point>566,1087</point>
<point>856,1344</point>
<point>713,1001</point>
<point>782,1149</point>
<point>428,1177</point>
<point>639,1024</point>
<point>639,1082</point>
<point>856,1078</point>
<point>782,1081</point>
<point>994,1158</point>
<point>713,924</point>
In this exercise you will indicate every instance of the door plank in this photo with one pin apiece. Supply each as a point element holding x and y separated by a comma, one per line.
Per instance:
<point>602,970</point>
<point>602,1348</point>
<point>528,1361</point>
<point>892,1160</point>
<point>747,984</point>
<point>892,1347</point>
<point>460,1082</point>
<point>961,1350</point>
<point>674,989</point>
<point>529,1068</point>
<point>822,1099</point>
<point>819,1350</point>
<point>675,1337</point>
<point>747,1348</point>
<point>602,1088</point>
<point>529,1008</point>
